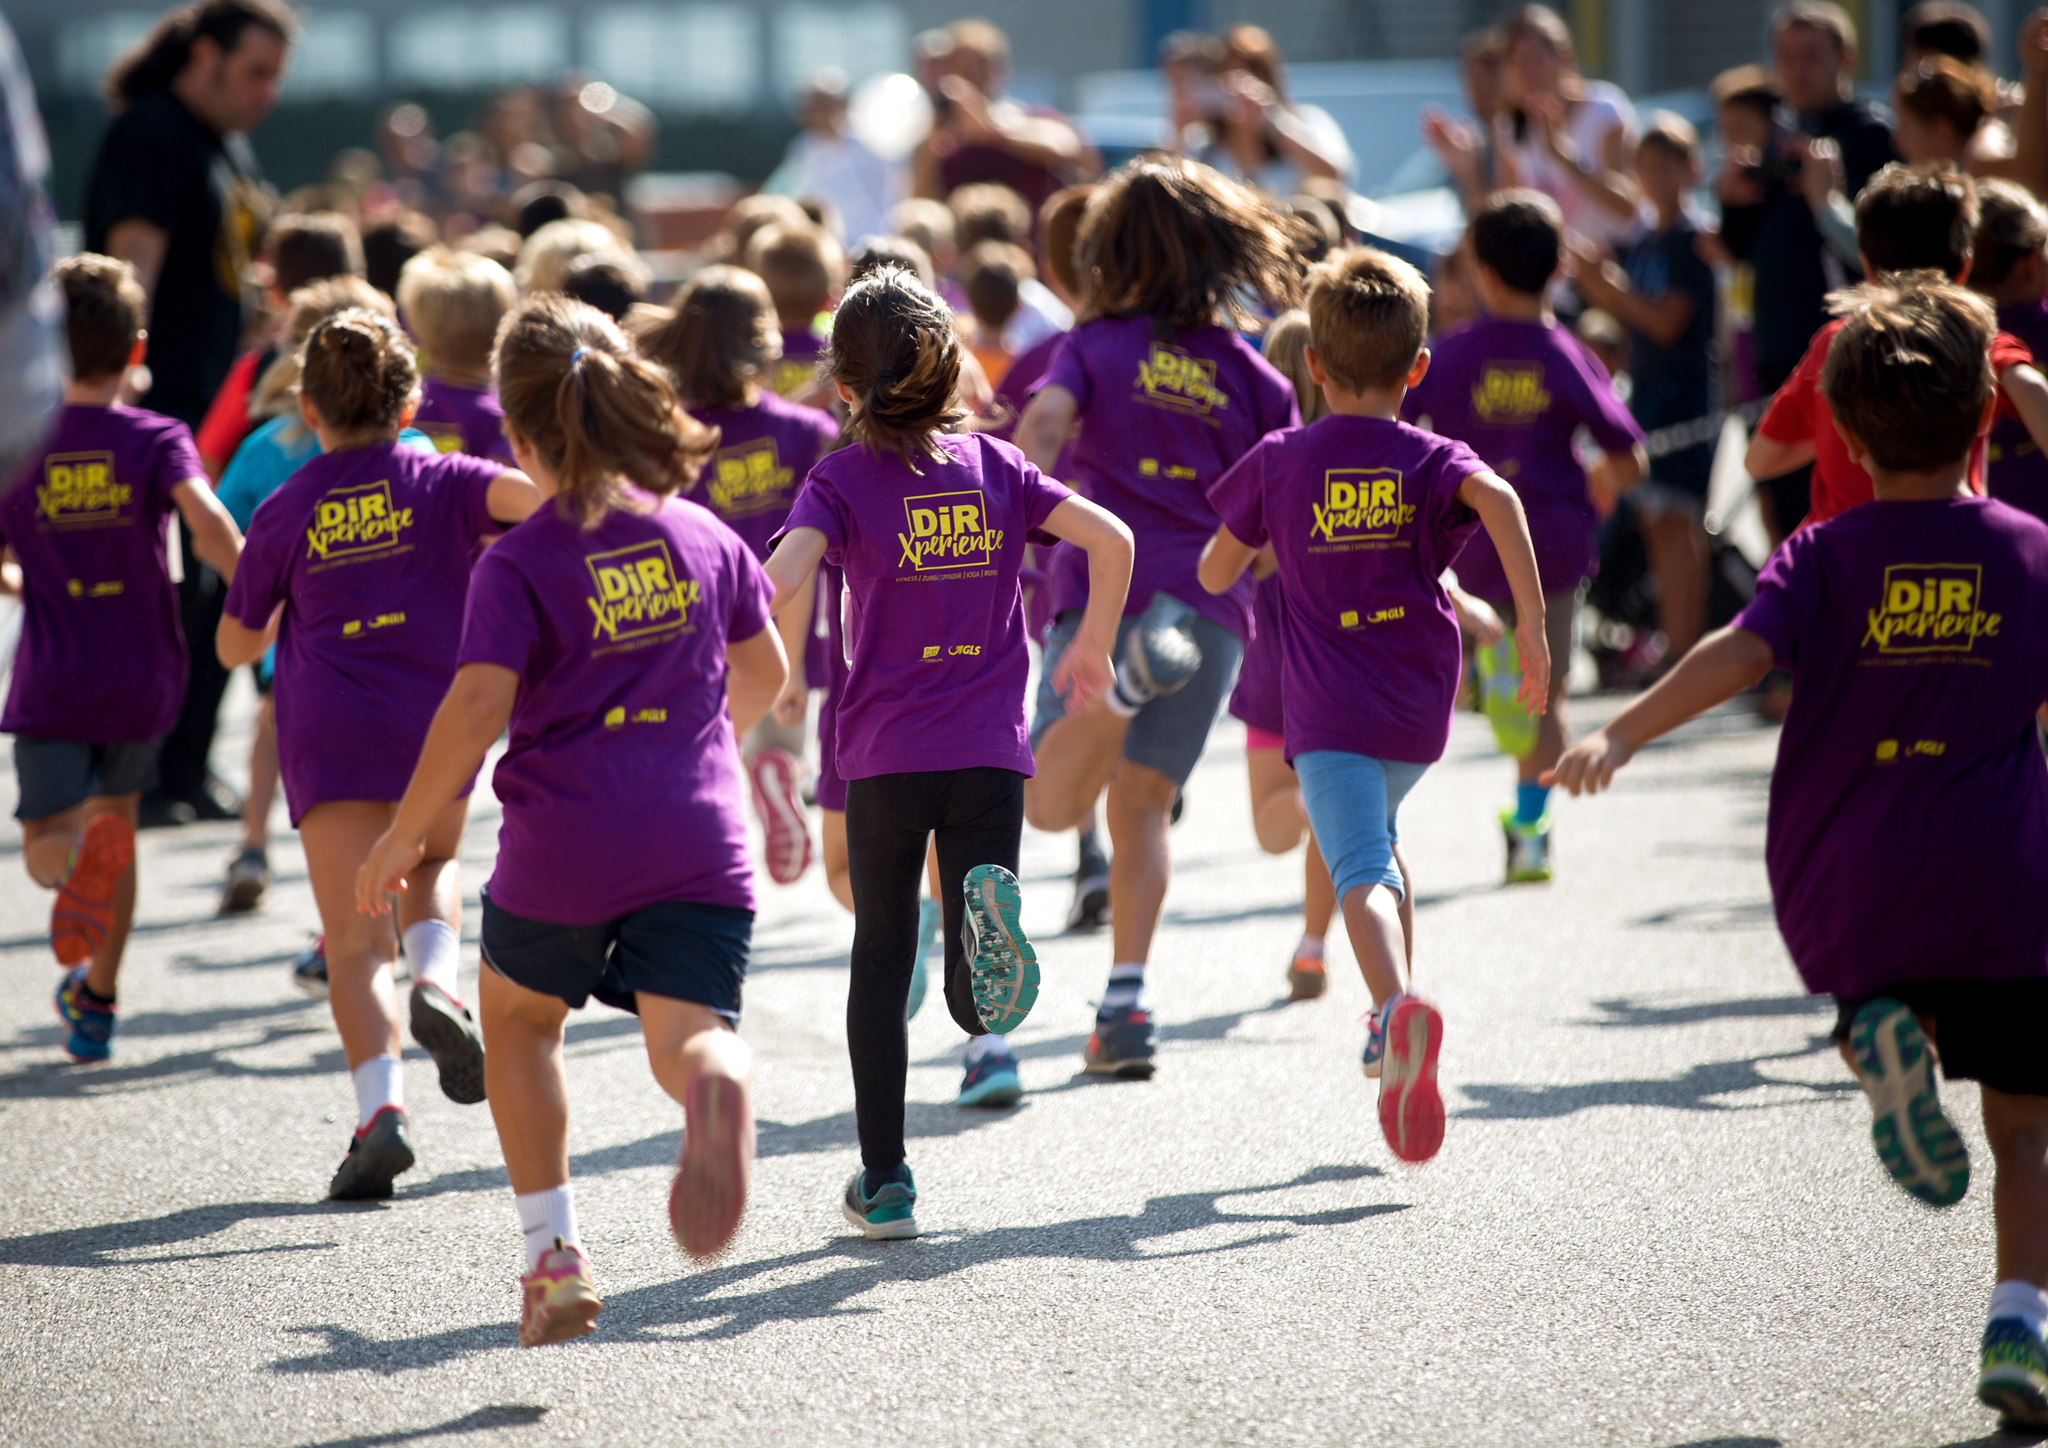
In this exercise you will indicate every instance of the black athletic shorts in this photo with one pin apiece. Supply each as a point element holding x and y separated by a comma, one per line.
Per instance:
<point>54,775</point>
<point>1994,1032</point>
<point>677,948</point>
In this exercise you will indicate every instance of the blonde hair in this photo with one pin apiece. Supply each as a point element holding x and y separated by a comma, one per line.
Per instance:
<point>802,267</point>
<point>1286,347</point>
<point>928,223</point>
<point>1368,316</point>
<point>545,259</point>
<point>453,302</point>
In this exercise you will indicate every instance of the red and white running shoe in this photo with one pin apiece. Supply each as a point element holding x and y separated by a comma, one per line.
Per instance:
<point>1411,1107</point>
<point>777,779</point>
<point>709,1194</point>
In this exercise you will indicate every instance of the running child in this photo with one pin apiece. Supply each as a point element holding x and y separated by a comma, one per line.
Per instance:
<point>2009,265</point>
<point>804,269</point>
<point>99,675</point>
<point>1916,630</point>
<point>1167,398</point>
<point>357,566</point>
<point>1516,387</point>
<point>623,634</point>
<point>719,348</point>
<point>452,302</point>
<point>929,528</point>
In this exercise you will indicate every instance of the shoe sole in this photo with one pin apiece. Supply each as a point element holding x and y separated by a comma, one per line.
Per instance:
<point>1000,1090</point>
<point>1918,1145</point>
<point>2020,1402</point>
<point>312,990</point>
<point>376,1177</point>
<point>1003,968</point>
<point>902,1229</point>
<point>572,1315</point>
<point>1306,985</point>
<point>243,895</point>
<point>1411,1106</point>
<point>83,912</point>
<point>453,1043</point>
<point>709,1195</point>
<point>782,816</point>
<point>1121,1070</point>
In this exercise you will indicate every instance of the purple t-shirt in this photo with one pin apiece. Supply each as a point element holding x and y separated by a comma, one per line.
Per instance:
<point>463,419</point>
<point>798,367</point>
<point>935,620</point>
<point>1160,423</point>
<point>1908,830</point>
<point>1363,515</point>
<point>2017,471</point>
<point>621,783</point>
<point>369,550</point>
<point>1515,392</point>
<point>1256,697</point>
<point>764,454</point>
<point>830,635</point>
<point>102,656</point>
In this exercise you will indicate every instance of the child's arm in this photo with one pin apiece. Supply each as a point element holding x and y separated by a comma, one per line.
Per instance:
<point>794,624</point>
<point>1043,429</point>
<point>1084,672</point>
<point>1224,560</point>
<point>238,644</point>
<point>1476,618</point>
<point>472,715</point>
<point>1719,667</point>
<point>792,565</point>
<point>513,498</point>
<point>10,573</point>
<point>1769,458</point>
<point>215,538</point>
<point>1614,475</point>
<point>755,671</point>
<point>2027,390</point>
<point>1500,513</point>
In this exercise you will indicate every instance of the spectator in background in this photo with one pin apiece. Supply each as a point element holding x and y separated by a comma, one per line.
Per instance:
<point>601,136</point>
<point>1467,152</point>
<point>978,135</point>
<point>392,242</point>
<point>1938,108</point>
<point>1559,133</point>
<point>615,285</point>
<point>1769,220</point>
<point>1255,133</point>
<point>175,192</point>
<point>1189,62</point>
<point>828,162</point>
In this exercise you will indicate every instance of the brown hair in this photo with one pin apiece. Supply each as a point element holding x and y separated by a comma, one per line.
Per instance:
<point>876,252</point>
<point>307,246</point>
<point>1368,317</point>
<point>801,265</point>
<point>1910,217</point>
<point>1910,371</point>
<point>1746,85</point>
<point>926,222</point>
<point>572,387</point>
<point>1170,239</point>
<point>2011,226</point>
<point>1251,49</point>
<point>720,340</point>
<point>1286,347</point>
<point>1828,18</point>
<point>1672,134</point>
<point>104,308</point>
<point>749,215</point>
<point>1059,224</point>
<point>305,309</point>
<point>1518,235</point>
<point>389,244</point>
<point>357,369</point>
<point>1944,27</point>
<point>895,347</point>
<point>990,211</point>
<point>990,276</point>
<point>1544,24</point>
<point>453,301</point>
<point>156,59</point>
<point>1941,89</point>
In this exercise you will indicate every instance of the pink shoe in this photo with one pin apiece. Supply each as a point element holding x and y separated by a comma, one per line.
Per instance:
<point>558,1302</point>
<point>709,1195</point>
<point>779,803</point>
<point>84,909</point>
<point>1411,1107</point>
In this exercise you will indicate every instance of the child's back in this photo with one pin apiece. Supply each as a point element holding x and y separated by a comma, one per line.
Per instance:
<point>765,451</point>
<point>463,418</point>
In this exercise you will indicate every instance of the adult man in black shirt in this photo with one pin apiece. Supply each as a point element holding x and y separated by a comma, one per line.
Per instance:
<point>175,192</point>
<point>1766,218</point>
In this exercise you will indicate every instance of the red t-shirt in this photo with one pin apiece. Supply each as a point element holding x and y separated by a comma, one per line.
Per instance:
<point>227,420</point>
<point>1800,412</point>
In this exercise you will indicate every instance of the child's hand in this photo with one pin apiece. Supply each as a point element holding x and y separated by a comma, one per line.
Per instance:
<point>1588,766</point>
<point>793,702</point>
<point>1083,675</point>
<point>1534,650</point>
<point>384,872</point>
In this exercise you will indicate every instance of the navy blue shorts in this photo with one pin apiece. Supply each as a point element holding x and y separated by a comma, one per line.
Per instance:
<point>676,949</point>
<point>54,775</point>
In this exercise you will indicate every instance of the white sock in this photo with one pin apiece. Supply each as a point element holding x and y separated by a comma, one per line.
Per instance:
<point>2022,1300</point>
<point>981,1047</point>
<point>1126,985</point>
<point>379,1082</point>
<point>1309,945</point>
<point>544,1216</point>
<point>433,950</point>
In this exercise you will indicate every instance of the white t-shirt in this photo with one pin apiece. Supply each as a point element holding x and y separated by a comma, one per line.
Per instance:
<point>1279,176</point>
<point>1587,127</point>
<point>859,185</point>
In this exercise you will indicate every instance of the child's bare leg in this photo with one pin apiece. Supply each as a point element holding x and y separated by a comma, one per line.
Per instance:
<point>1139,807</point>
<point>361,949</point>
<point>1551,731</point>
<point>433,887</point>
<point>832,840</point>
<point>1277,817</point>
<point>1407,912</point>
<point>702,1063</point>
<point>46,849</point>
<point>526,1086</point>
<point>1372,918</point>
<point>2018,1130</point>
<point>1318,895</point>
<point>1075,761</point>
<point>262,778</point>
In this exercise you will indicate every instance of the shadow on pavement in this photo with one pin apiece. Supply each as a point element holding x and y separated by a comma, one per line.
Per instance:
<point>1625,1012</point>
<point>1713,915</point>
<point>498,1415</point>
<point>1692,1090</point>
<point>1732,1443</point>
<point>94,1246</point>
<point>2004,1438</point>
<point>706,1304</point>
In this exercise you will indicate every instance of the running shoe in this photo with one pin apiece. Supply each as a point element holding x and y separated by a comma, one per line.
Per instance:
<point>1090,908</point>
<point>1500,679</point>
<point>377,1153</point>
<point>1002,968</point>
<point>886,1216</point>
<point>83,912</point>
<point>248,878</point>
<point>709,1195</point>
<point>929,918</point>
<point>557,1301</point>
<point>1411,1107</point>
<point>2012,1374</point>
<point>309,969</point>
<point>1160,653</point>
<point>991,1081</point>
<point>1915,1141</point>
<point>1307,978</point>
<point>1124,1044</point>
<point>444,1026</point>
<point>776,775</point>
<point>1180,808</point>
<point>1528,848</point>
<point>92,1024</point>
<point>1375,1050</point>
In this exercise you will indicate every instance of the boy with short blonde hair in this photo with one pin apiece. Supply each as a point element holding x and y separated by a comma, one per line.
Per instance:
<point>804,269</point>
<point>452,302</point>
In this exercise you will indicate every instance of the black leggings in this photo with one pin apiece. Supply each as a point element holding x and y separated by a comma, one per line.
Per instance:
<point>978,816</point>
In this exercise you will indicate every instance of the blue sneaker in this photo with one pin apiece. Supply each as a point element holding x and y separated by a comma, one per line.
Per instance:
<point>92,1024</point>
<point>1159,653</point>
<point>2012,1374</point>
<point>1917,1144</point>
<point>928,918</point>
<point>1375,1042</point>
<point>1124,1045</point>
<point>309,969</point>
<point>887,1215</point>
<point>1002,968</point>
<point>991,1081</point>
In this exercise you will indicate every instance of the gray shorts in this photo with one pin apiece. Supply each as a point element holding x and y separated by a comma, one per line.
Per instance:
<point>54,775</point>
<point>1170,733</point>
<point>1560,628</point>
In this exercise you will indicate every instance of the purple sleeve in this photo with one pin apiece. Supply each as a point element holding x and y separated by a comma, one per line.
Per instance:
<point>177,459</point>
<point>1601,409</point>
<point>1040,495</point>
<point>501,622</point>
<point>817,506</point>
<point>471,478</point>
<point>750,593</point>
<point>263,571</point>
<point>1776,611</point>
<point>1239,496</point>
<point>1069,369</point>
<point>1450,523</point>
<point>1281,407</point>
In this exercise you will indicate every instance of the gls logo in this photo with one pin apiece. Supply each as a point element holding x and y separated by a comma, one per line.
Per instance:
<point>933,653</point>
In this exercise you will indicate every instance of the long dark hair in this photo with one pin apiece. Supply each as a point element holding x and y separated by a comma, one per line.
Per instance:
<point>895,346</point>
<point>158,57</point>
<point>719,341</point>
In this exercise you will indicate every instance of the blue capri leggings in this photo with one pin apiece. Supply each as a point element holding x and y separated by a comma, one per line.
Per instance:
<point>1352,800</point>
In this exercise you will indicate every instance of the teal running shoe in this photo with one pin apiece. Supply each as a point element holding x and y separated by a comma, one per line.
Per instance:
<point>887,1216</point>
<point>1500,675</point>
<point>1915,1141</point>
<point>1002,967</point>
<point>92,1024</point>
<point>991,1081</point>
<point>2012,1374</point>
<point>928,918</point>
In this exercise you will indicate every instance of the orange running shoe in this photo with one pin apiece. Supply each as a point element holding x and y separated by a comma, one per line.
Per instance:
<point>1306,978</point>
<point>84,909</point>
<point>559,1302</point>
<point>709,1194</point>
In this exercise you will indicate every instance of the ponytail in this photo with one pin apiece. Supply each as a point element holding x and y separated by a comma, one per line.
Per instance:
<point>596,413</point>
<point>721,339</point>
<point>358,371</point>
<point>896,348</point>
